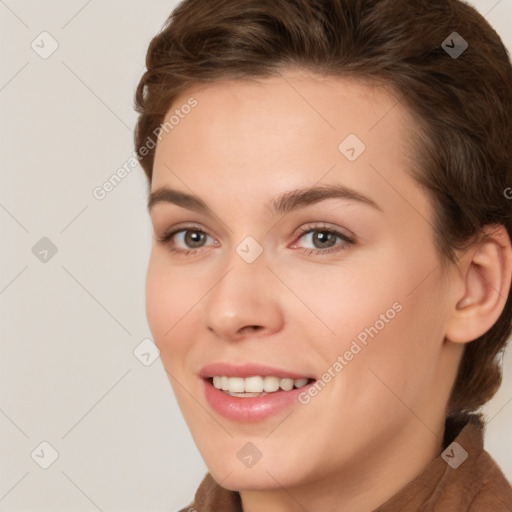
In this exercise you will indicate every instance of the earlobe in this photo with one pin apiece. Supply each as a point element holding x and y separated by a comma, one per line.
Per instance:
<point>487,272</point>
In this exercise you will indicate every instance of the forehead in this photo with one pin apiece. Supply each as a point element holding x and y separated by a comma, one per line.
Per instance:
<point>260,137</point>
<point>266,114</point>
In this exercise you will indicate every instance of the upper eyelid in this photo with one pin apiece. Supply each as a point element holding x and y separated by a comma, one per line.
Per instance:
<point>301,230</point>
<point>317,226</point>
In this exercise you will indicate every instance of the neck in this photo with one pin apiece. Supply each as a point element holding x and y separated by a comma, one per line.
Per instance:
<point>360,485</point>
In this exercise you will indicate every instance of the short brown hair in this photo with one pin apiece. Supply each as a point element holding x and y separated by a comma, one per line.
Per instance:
<point>462,104</point>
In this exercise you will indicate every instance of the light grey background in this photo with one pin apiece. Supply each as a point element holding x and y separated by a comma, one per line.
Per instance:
<point>70,325</point>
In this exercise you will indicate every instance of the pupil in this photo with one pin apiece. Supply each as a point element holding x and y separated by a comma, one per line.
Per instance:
<point>194,238</point>
<point>323,238</point>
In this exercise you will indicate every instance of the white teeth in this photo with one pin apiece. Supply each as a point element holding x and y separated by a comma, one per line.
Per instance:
<point>287,384</point>
<point>300,382</point>
<point>271,384</point>
<point>236,384</point>
<point>255,385</point>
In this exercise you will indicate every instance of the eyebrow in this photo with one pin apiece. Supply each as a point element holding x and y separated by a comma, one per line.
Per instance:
<point>283,204</point>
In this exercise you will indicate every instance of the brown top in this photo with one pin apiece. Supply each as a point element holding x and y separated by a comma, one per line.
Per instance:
<point>463,478</point>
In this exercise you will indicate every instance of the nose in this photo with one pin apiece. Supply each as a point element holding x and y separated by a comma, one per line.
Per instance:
<point>245,302</point>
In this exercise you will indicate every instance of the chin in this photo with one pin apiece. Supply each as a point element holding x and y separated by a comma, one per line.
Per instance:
<point>267,473</point>
<point>249,479</point>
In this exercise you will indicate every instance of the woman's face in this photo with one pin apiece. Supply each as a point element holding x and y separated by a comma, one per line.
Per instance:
<point>342,286</point>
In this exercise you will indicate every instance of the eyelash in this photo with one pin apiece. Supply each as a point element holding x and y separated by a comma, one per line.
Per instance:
<point>347,241</point>
<point>167,237</point>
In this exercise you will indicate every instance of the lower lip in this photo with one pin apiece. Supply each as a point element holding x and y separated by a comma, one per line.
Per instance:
<point>250,409</point>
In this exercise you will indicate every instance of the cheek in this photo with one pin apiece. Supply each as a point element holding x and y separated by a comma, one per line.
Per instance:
<point>338,302</point>
<point>170,300</point>
<point>397,364</point>
<point>377,317</point>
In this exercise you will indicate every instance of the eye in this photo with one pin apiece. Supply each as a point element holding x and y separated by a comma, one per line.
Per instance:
<point>323,240</point>
<point>186,239</point>
<point>316,239</point>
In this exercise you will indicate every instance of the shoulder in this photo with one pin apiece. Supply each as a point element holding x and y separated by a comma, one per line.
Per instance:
<point>463,478</point>
<point>476,481</point>
<point>492,491</point>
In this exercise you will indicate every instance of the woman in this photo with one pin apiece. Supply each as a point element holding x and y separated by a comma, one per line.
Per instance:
<point>329,284</point>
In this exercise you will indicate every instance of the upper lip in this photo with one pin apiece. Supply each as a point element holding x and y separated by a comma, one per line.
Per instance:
<point>247,370</point>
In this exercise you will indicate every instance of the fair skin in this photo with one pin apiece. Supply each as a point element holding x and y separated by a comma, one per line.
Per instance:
<point>380,421</point>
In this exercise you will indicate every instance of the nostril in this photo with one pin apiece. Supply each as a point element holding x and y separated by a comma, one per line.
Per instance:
<point>252,327</point>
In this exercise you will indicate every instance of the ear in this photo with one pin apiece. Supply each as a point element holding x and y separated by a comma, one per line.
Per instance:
<point>486,271</point>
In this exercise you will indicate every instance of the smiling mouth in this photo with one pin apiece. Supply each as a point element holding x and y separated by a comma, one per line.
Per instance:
<point>256,385</point>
